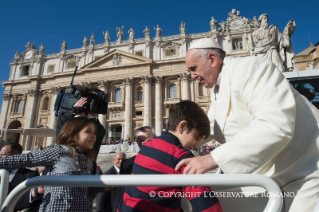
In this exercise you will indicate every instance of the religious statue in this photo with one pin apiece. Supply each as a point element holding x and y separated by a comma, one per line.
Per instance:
<point>106,36</point>
<point>254,23</point>
<point>270,43</point>
<point>131,33</point>
<point>29,46</point>
<point>63,46</point>
<point>92,40</point>
<point>287,52</point>
<point>234,14</point>
<point>146,32</point>
<point>17,56</point>
<point>213,24</point>
<point>41,49</point>
<point>182,28</point>
<point>222,26</point>
<point>119,33</point>
<point>158,31</point>
<point>85,41</point>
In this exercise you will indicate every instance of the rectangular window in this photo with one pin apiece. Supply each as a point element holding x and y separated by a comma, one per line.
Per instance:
<point>139,53</point>
<point>238,44</point>
<point>170,52</point>
<point>139,113</point>
<point>71,64</point>
<point>51,68</point>
<point>25,71</point>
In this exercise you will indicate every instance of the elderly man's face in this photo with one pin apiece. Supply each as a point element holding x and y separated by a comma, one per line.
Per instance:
<point>118,159</point>
<point>206,70</point>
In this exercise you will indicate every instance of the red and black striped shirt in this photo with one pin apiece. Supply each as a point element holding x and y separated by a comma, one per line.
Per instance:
<point>160,156</point>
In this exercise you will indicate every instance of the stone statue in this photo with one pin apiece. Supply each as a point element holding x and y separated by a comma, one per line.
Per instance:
<point>287,52</point>
<point>213,24</point>
<point>182,28</point>
<point>106,36</point>
<point>234,14</point>
<point>85,41</point>
<point>131,33</point>
<point>310,66</point>
<point>92,40</point>
<point>41,49</point>
<point>146,32</point>
<point>222,26</point>
<point>119,33</point>
<point>17,56</point>
<point>270,43</point>
<point>158,31</point>
<point>63,46</point>
<point>29,46</point>
<point>254,23</point>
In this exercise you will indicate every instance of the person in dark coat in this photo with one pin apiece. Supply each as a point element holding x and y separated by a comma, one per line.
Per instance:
<point>17,176</point>
<point>115,195</point>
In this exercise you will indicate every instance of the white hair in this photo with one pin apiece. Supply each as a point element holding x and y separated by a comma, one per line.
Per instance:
<point>204,52</point>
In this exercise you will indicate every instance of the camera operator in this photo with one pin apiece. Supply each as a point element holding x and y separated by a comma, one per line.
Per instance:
<point>80,113</point>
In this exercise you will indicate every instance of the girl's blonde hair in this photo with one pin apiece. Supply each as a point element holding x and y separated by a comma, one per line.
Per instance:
<point>69,134</point>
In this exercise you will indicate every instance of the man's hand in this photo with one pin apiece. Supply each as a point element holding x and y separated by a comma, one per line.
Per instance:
<point>197,165</point>
<point>80,103</point>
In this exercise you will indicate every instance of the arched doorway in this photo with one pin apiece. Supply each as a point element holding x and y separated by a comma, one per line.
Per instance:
<point>13,137</point>
<point>116,133</point>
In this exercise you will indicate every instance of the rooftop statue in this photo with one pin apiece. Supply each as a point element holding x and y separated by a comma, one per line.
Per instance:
<point>131,33</point>
<point>119,33</point>
<point>146,32</point>
<point>106,36</point>
<point>63,46</point>
<point>270,43</point>
<point>158,31</point>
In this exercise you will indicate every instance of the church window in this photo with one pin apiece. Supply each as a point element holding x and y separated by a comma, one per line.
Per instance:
<point>25,71</point>
<point>172,91</point>
<point>71,64</point>
<point>238,44</point>
<point>170,52</point>
<point>51,68</point>
<point>139,113</point>
<point>139,94</point>
<point>20,106</point>
<point>45,104</point>
<point>118,95</point>
<point>139,53</point>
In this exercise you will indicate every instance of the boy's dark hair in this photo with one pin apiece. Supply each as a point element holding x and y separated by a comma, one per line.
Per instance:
<point>15,148</point>
<point>192,114</point>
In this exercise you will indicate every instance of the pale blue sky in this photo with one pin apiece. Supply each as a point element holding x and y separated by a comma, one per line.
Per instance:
<point>52,21</point>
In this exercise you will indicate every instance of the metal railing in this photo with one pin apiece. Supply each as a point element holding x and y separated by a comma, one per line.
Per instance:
<point>235,180</point>
<point>4,176</point>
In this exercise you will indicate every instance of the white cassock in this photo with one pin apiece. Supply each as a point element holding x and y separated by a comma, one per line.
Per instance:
<point>267,128</point>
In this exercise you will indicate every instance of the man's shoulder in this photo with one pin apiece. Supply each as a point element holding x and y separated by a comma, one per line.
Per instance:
<point>111,170</point>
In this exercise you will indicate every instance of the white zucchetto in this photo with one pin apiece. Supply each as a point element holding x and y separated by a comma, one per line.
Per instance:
<point>205,43</point>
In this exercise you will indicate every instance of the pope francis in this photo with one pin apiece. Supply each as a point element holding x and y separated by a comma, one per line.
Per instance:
<point>266,126</point>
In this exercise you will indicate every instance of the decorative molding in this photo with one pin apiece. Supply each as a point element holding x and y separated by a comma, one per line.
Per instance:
<point>184,76</point>
<point>158,79</point>
<point>6,96</point>
<point>33,92</point>
<point>146,78</point>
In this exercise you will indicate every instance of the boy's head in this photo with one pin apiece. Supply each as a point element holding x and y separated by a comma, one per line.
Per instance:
<point>189,123</point>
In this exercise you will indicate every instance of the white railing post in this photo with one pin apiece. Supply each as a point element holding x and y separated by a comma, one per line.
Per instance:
<point>4,176</point>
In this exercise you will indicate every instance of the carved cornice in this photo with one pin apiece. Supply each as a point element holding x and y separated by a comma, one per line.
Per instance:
<point>158,79</point>
<point>6,96</point>
<point>33,92</point>
<point>146,79</point>
<point>103,83</point>
<point>87,84</point>
<point>128,81</point>
<point>54,90</point>
<point>184,76</point>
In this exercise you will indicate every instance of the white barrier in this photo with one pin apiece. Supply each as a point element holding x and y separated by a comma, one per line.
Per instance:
<point>274,204</point>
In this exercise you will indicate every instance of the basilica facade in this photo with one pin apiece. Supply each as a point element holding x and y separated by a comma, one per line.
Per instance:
<point>142,76</point>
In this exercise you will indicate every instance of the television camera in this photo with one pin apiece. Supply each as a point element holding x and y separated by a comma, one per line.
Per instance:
<point>96,100</point>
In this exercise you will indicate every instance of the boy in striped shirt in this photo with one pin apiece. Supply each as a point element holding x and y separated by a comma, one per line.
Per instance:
<point>187,125</point>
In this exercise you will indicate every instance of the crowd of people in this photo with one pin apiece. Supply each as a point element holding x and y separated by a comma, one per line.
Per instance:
<point>263,124</point>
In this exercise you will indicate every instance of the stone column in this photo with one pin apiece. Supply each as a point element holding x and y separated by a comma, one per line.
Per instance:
<point>30,114</point>
<point>185,84</point>
<point>128,107</point>
<point>157,50</point>
<point>158,105</point>
<point>61,63</point>
<point>192,90</point>
<point>147,48</point>
<point>4,110</point>
<point>147,99</point>
<point>54,91</point>
<point>103,86</point>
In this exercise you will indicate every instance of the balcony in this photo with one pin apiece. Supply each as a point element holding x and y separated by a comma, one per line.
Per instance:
<point>116,105</point>
<point>171,101</point>
<point>16,115</point>
<point>203,99</point>
<point>139,103</point>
